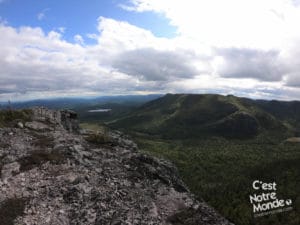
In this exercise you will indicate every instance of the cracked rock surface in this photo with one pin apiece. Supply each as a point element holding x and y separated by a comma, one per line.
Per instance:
<point>50,174</point>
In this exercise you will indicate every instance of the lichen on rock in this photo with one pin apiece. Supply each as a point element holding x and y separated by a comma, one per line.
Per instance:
<point>50,174</point>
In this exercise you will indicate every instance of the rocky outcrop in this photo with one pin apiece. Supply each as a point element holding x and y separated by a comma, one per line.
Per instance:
<point>50,174</point>
<point>44,118</point>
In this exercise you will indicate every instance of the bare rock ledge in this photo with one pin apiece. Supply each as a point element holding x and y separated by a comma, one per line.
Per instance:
<point>50,174</point>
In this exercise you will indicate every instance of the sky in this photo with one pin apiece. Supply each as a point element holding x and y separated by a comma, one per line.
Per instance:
<point>52,48</point>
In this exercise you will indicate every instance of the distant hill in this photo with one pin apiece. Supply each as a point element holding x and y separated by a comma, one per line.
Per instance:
<point>72,103</point>
<point>200,115</point>
<point>119,104</point>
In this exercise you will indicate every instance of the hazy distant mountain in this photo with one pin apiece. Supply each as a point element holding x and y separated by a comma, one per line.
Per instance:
<point>195,115</point>
<point>72,103</point>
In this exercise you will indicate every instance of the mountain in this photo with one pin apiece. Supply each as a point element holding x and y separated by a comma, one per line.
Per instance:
<point>71,103</point>
<point>199,115</point>
<point>284,111</point>
<point>221,144</point>
<point>52,172</point>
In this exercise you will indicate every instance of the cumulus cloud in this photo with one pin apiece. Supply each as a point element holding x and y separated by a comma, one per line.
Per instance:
<point>296,2</point>
<point>121,36</point>
<point>238,23</point>
<point>78,39</point>
<point>293,79</point>
<point>250,63</point>
<point>217,49</point>
<point>32,61</point>
<point>156,65</point>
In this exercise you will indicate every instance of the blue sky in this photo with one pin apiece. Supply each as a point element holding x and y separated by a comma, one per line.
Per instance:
<point>79,17</point>
<point>110,47</point>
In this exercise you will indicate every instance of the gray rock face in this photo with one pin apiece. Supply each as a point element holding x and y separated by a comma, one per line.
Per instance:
<point>63,179</point>
<point>38,126</point>
<point>9,170</point>
<point>69,120</point>
<point>63,118</point>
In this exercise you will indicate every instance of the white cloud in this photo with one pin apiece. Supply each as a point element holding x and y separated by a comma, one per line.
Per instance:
<point>232,23</point>
<point>120,36</point>
<point>42,15</point>
<point>253,40</point>
<point>61,29</point>
<point>34,62</point>
<point>78,39</point>
<point>249,49</point>
<point>156,65</point>
<point>92,36</point>
<point>296,2</point>
<point>250,63</point>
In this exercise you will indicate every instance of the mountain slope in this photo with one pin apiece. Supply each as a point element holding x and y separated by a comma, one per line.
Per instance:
<point>196,115</point>
<point>189,130</point>
<point>54,173</point>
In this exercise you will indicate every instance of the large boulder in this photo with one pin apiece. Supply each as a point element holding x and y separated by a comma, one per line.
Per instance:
<point>65,118</point>
<point>38,126</point>
<point>69,120</point>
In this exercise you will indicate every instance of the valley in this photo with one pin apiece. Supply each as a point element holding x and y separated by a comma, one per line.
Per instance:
<point>221,144</point>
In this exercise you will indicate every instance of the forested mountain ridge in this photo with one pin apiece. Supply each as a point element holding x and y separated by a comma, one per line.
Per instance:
<point>221,144</point>
<point>196,115</point>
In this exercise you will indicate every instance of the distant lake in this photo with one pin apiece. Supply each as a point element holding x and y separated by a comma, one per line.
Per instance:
<point>99,110</point>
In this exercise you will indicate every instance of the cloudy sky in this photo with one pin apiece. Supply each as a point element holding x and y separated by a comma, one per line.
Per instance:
<point>54,48</point>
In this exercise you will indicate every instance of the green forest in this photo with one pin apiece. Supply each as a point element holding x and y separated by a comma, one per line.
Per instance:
<point>221,172</point>
<point>220,145</point>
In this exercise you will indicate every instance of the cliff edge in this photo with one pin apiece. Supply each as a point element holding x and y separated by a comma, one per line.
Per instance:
<point>54,173</point>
